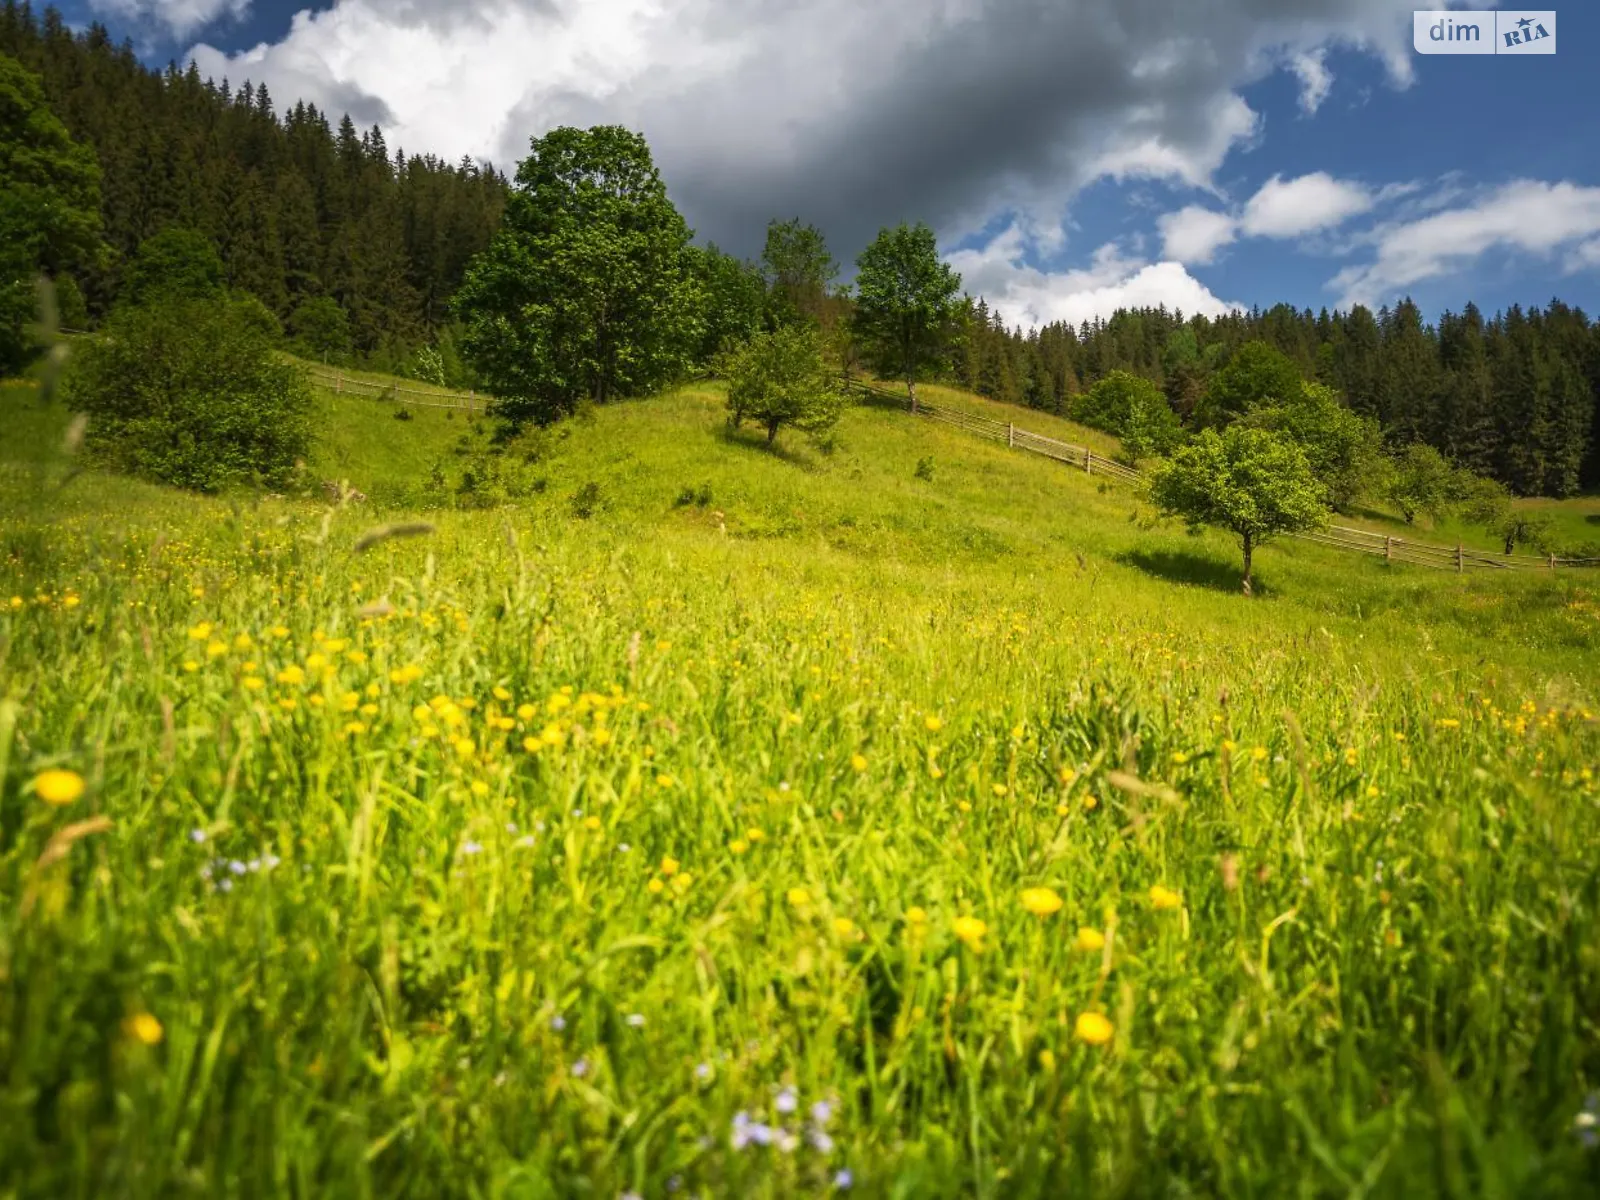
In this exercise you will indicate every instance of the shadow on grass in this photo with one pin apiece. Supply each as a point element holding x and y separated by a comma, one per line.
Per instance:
<point>1199,570</point>
<point>1592,519</point>
<point>755,440</point>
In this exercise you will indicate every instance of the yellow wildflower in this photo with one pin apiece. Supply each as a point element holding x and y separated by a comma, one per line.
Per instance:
<point>1089,940</point>
<point>1164,898</point>
<point>1094,1029</point>
<point>799,897</point>
<point>144,1028</point>
<point>1041,901</point>
<point>970,930</point>
<point>858,763</point>
<point>58,787</point>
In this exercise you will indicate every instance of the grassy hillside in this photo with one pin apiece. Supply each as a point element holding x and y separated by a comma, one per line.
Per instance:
<point>549,854</point>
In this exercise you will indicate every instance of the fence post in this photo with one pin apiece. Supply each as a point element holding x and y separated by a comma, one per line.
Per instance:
<point>338,380</point>
<point>1088,461</point>
<point>1011,436</point>
<point>1388,548</point>
<point>1552,562</point>
<point>1460,565</point>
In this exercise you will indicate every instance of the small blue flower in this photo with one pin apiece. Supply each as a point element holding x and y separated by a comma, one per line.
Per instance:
<point>636,1020</point>
<point>580,1068</point>
<point>822,1112</point>
<point>843,1179</point>
<point>703,1071</point>
<point>558,1022</point>
<point>197,836</point>
<point>786,1101</point>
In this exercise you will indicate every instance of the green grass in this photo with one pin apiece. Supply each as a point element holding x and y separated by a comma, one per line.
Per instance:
<point>1372,788</point>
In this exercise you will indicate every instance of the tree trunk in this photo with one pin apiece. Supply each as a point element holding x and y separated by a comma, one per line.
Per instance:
<point>772,432</point>
<point>911,376</point>
<point>1249,547</point>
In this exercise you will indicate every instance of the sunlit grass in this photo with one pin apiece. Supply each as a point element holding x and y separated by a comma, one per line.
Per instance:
<point>549,856</point>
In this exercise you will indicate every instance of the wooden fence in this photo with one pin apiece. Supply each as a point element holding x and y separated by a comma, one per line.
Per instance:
<point>335,380</point>
<point>1343,537</point>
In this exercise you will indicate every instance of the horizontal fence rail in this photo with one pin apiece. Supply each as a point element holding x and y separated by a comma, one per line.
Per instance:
<point>1340,537</point>
<point>337,381</point>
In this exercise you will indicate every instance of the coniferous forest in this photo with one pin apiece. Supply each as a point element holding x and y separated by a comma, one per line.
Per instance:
<point>307,211</point>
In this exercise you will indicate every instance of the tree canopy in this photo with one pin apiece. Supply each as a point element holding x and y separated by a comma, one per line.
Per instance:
<point>588,291</point>
<point>1252,482</point>
<point>49,202</point>
<point>780,378</point>
<point>906,306</point>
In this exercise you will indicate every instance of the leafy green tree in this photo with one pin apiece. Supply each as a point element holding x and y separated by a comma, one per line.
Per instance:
<point>49,204</point>
<point>798,270</point>
<point>320,328</point>
<point>780,378</point>
<point>1134,409</point>
<point>189,392</point>
<point>1252,482</point>
<point>1343,447</point>
<point>1257,376</point>
<point>588,290</point>
<point>173,264</point>
<point>735,300</point>
<point>906,304</point>
<point>1420,482</point>
<point>1522,527</point>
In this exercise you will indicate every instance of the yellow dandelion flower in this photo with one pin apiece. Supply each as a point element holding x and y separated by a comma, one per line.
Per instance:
<point>970,930</point>
<point>592,824</point>
<point>601,737</point>
<point>527,711</point>
<point>291,676</point>
<point>253,683</point>
<point>669,866</point>
<point>844,927</point>
<point>682,883</point>
<point>916,915</point>
<point>201,632</point>
<point>58,786</point>
<point>501,694</point>
<point>1259,753</point>
<point>1041,901</point>
<point>1090,802</point>
<point>1350,757</point>
<point>755,835</point>
<point>1089,940</point>
<point>464,748</point>
<point>1093,1029</point>
<point>1179,758</point>
<point>858,763</point>
<point>799,897</point>
<point>1000,789</point>
<point>654,887</point>
<point>1065,776</point>
<point>666,781</point>
<point>145,1029</point>
<point>480,789</point>
<point>531,744</point>
<point>1047,1060</point>
<point>738,846</point>
<point>934,724</point>
<point>1164,898</point>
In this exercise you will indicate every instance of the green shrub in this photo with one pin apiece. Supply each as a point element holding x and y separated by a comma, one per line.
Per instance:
<point>189,392</point>
<point>924,468</point>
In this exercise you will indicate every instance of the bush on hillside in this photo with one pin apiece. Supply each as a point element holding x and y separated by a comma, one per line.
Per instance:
<point>189,392</point>
<point>1135,410</point>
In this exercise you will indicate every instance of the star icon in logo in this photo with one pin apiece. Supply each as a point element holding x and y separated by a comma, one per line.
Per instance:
<point>1525,22</point>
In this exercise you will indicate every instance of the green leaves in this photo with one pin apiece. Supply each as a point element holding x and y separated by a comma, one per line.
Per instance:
<point>780,379</point>
<point>1250,481</point>
<point>588,291</point>
<point>906,306</point>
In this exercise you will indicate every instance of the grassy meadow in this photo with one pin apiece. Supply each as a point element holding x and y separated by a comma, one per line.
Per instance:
<point>715,822</point>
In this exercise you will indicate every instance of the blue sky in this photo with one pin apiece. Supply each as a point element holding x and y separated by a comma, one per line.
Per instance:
<point>1073,156</point>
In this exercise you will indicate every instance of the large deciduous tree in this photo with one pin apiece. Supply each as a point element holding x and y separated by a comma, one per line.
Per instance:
<point>799,270</point>
<point>588,292</point>
<point>906,303</point>
<point>1252,482</point>
<point>49,203</point>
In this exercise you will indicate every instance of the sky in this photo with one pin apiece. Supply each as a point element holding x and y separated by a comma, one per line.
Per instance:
<point>1073,156</point>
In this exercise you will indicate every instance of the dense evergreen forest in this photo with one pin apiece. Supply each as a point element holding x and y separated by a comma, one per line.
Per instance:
<point>1515,397</point>
<point>308,213</point>
<point>298,207</point>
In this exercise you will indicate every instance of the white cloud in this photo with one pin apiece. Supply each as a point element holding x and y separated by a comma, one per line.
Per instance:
<point>1029,296</point>
<point>1528,215</point>
<point>1288,208</point>
<point>1279,209</point>
<point>1195,234</point>
<point>180,18</point>
<point>850,115</point>
<point>1316,81</point>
